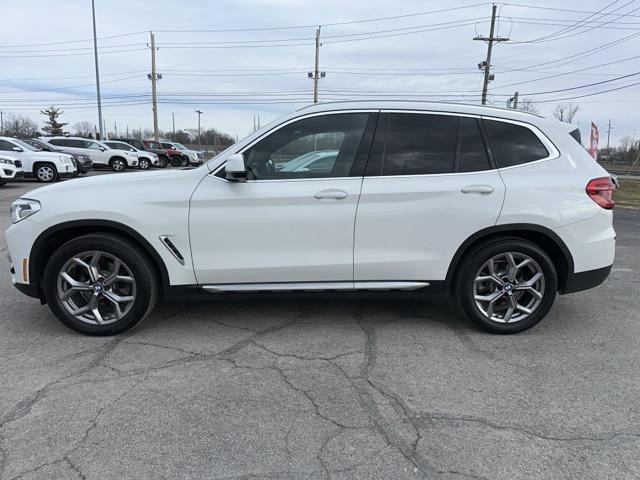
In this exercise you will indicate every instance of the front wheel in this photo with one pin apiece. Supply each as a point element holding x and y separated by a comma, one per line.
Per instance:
<point>100,284</point>
<point>176,161</point>
<point>507,285</point>
<point>144,164</point>
<point>118,164</point>
<point>46,173</point>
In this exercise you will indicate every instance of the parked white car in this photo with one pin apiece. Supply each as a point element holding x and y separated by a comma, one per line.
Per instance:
<point>145,159</point>
<point>497,208</point>
<point>10,169</point>
<point>100,154</point>
<point>46,167</point>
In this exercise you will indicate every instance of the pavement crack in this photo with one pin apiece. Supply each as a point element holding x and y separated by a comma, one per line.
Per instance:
<point>431,417</point>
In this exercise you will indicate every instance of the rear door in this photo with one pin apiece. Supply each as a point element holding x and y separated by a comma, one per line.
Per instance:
<point>429,185</point>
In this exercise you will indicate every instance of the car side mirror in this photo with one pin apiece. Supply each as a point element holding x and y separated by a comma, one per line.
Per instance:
<point>17,149</point>
<point>102,149</point>
<point>235,170</point>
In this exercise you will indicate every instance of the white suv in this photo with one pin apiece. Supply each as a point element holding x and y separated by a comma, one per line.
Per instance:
<point>46,167</point>
<point>145,159</point>
<point>498,208</point>
<point>100,154</point>
<point>10,169</point>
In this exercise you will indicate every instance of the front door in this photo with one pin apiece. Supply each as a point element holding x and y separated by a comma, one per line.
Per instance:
<point>292,221</point>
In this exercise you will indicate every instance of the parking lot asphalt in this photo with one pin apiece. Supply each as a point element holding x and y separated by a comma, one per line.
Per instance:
<point>326,388</point>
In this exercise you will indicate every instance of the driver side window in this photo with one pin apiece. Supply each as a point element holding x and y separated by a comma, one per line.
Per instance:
<point>315,147</point>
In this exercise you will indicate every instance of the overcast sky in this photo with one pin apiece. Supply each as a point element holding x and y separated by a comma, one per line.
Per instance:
<point>257,68</point>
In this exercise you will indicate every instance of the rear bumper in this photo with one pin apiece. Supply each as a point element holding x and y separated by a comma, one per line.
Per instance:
<point>577,282</point>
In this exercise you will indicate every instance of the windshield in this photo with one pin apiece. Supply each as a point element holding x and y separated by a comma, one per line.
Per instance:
<point>25,145</point>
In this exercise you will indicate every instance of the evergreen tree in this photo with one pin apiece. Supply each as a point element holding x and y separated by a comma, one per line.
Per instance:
<point>52,126</point>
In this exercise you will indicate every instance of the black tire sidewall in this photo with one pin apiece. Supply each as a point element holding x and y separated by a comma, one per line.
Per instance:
<point>476,258</point>
<point>146,291</point>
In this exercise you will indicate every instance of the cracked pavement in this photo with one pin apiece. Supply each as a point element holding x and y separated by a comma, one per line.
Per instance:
<point>367,388</point>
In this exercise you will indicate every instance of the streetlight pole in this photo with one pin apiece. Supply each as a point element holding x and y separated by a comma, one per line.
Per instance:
<point>199,112</point>
<point>95,54</point>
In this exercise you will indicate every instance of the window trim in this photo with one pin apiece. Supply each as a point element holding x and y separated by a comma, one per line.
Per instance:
<point>553,152</point>
<point>355,172</point>
<point>488,150</point>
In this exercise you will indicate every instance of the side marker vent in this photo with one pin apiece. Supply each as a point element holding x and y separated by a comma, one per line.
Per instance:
<point>172,248</point>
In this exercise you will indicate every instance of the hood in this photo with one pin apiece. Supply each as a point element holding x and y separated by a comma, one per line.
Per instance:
<point>47,155</point>
<point>127,182</point>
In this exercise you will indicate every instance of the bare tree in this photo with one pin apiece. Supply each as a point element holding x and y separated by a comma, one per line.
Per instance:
<point>20,126</point>
<point>527,105</point>
<point>626,143</point>
<point>83,129</point>
<point>566,112</point>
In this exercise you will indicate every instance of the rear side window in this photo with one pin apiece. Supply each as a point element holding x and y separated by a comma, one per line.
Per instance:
<point>473,153</point>
<point>418,144</point>
<point>59,142</point>
<point>514,144</point>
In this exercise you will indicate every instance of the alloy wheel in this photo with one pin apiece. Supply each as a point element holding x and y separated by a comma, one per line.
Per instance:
<point>46,173</point>
<point>118,165</point>
<point>96,287</point>
<point>143,164</point>
<point>509,287</point>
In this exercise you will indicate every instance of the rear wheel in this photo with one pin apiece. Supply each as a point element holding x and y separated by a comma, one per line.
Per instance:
<point>46,173</point>
<point>118,164</point>
<point>507,285</point>
<point>176,161</point>
<point>100,284</point>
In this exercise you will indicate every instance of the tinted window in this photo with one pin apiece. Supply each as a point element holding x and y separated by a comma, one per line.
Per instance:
<point>473,154</point>
<point>289,152</point>
<point>576,135</point>
<point>418,144</point>
<point>60,142</point>
<point>514,144</point>
<point>4,145</point>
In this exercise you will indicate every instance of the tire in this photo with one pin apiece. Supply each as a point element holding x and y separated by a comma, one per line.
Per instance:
<point>486,299</point>
<point>144,163</point>
<point>176,161</point>
<point>45,173</point>
<point>135,290</point>
<point>163,161</point>
<point>118,164</point>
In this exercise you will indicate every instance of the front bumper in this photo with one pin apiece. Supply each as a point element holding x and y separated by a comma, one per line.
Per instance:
<point>85,167</point>
<point>577,282</point>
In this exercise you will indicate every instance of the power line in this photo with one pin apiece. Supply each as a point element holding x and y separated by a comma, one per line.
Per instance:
<point>66,42</point>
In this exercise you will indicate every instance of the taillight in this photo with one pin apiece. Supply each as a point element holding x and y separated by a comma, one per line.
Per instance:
<point>600,190</point>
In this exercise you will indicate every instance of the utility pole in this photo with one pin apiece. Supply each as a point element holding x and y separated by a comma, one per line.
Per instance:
<point>513,102</point>
<point>199,112</point>
<point>1,123</point>
<point>173,123</point>
<point>95,55</point>
<point>154,77</point>
<point>316,75</point>
<point>608,133</point>
<point>486,65</point>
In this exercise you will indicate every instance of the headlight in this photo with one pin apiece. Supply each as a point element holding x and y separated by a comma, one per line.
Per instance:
<point>23,208</point>
<point>6,161</point>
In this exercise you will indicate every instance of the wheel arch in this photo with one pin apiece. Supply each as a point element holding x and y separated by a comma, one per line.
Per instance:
<point>544,237</point>
<point>54,237</point>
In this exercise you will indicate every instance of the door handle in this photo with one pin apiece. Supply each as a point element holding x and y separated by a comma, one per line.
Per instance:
<point>481,189</point>
<point>332,193</point>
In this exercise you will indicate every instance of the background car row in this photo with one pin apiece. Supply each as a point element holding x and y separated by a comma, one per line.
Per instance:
<point>48,159</point>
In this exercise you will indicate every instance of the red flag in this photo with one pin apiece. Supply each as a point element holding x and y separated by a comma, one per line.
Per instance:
<point>593,144</point>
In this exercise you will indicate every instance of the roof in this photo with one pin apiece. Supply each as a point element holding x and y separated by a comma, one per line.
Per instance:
<point>463,108</point>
